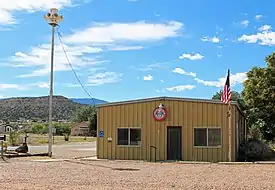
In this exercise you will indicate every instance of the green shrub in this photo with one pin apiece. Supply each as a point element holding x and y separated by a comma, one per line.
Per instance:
<point>63,128</point>
<point>13,138</point>
<point>93,133</point>
<point>43,141</point>
<point>255,150</point>
<point>39,128</point>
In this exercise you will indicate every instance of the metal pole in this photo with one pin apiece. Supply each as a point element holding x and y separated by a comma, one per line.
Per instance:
<point>51,96</point>
<point>2,149</point>
<point>53,18</point>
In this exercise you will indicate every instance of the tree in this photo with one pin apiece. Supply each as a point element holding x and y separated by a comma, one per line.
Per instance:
<point>87,113</point>
<point>38,128</point>
<point>84,113</point>
<point>235,97</point>
<point>63,128</point>
<point>93,124</point>
<point>259,97</point>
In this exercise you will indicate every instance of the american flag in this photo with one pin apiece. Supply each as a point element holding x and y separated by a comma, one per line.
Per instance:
<point>226,94</point>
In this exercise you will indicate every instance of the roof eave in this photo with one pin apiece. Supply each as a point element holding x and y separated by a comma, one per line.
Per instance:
<point>163,98</point>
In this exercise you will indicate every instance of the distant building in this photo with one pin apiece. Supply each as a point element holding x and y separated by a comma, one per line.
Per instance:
<point>5,128</point>
<point>24,127</point>
<point>62,121</point>
<point>80,129</point>
<point>21,120</point>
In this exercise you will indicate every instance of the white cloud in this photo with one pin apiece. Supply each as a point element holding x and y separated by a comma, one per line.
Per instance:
<point>192,57</point>
<point>23,86</point>
<point>41,84</point>
<point>94,70</point>
<point>6,17</point>
<point>258,17</point>
<point>265,28</point>
<point>9,7</point>
<point>124,48</point>
<point>180,88</point>
<point>210,39</point>
<point>100,78</point>
<point>183,72</point>
<point>156,14</point>
<point>12,86</point>
<point>40,57</point>
<point>148,78</point>
<point>154,66</point>
<point>244,23</point>
<point>237,78</point>
<point>100,37</point>
<point>104,33</point>
<point>104,78</point>
<point>265,36</point>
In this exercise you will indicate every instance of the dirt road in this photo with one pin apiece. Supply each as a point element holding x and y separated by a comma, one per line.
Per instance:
<point>89,175</point>
<point>71,150</point>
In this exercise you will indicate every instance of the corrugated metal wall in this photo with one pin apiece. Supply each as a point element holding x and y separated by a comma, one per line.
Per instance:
<point>180,113</point>
<point>240,119</point>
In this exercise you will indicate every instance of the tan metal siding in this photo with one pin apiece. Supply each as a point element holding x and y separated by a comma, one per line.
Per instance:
<point>233,137</point>
<point>240,119</point>
<point>99,128</point>
<point>180,113</point>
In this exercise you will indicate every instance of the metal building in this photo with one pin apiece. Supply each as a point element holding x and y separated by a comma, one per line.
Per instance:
<point>167,128</point>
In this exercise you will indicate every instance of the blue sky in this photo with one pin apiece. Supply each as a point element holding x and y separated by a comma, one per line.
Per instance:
<point>124,49</point>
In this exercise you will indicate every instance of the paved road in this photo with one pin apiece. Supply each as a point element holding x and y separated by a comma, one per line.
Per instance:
<point>71,150</point>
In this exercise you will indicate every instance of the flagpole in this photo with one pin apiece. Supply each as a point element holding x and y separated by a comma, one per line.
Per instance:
<point>226,98</point>
<point>229,134</point>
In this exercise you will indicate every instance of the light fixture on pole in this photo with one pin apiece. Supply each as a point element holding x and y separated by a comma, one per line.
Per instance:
<point>53,18</point>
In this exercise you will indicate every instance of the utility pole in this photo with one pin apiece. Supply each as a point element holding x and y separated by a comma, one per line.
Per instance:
<point>53,18</point>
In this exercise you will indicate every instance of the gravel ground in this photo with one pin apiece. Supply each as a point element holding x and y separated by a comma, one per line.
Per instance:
<point>97,175</point>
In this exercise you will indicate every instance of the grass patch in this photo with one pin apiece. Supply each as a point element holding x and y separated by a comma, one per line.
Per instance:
<point>36,139</point>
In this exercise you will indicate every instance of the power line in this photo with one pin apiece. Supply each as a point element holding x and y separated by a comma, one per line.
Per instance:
<point>66,55</point>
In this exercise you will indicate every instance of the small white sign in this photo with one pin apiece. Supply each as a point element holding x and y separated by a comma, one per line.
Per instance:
<point>109,139</point>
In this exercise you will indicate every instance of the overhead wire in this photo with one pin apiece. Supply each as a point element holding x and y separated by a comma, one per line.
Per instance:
<point>70,64</point>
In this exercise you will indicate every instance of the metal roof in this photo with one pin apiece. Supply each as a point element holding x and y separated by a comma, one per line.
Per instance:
<point>162,98</point>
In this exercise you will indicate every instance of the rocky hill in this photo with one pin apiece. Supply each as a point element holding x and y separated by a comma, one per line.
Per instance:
<point>13,109</point>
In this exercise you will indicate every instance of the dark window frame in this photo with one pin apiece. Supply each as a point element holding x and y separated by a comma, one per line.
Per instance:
<point>129,137</point>
<point>207,138</point>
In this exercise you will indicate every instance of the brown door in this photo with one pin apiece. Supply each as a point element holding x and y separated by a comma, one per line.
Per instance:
<point>174,142</point>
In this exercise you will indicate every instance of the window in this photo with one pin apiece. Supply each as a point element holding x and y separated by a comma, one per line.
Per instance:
<point>200,137</point>
<point>207,137</point>
<point>214,137</point>
<point>122,136</point>
<point>129,136</point>
<point>135,136</point>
